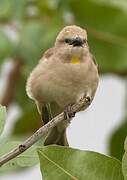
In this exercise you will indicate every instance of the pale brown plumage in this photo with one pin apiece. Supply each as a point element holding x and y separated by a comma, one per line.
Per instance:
<point>65,73</point>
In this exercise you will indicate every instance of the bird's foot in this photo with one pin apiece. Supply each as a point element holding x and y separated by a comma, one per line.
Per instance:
<point>69,113</point>
<point>88,99</point>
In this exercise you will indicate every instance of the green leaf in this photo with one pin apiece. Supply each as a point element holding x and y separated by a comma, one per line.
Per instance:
<point>47,8</point>
<point>2,117</point>
<point>58,162</point>
<point>12,9</point>
<point>29,121</point>
<point>19,9</point>
<point>124,160</point>
<point>122,4</point>
<point>26,159</point>
<point>116,144</point>
<point>35,38</point>
<point>5,8</point>
<point>31,42</point>
<point>106,32</point>
<point>6,46</point>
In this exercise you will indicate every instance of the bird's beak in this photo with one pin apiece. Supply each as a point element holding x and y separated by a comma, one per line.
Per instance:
<point>78,41</point>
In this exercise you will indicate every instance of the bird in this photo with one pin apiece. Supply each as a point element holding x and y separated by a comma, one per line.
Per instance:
<point>64,75</point>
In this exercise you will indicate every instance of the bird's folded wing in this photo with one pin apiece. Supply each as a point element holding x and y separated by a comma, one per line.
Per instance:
<point>47,54</point>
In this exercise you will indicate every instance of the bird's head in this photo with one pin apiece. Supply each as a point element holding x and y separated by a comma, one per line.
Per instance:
<point>72,40</point>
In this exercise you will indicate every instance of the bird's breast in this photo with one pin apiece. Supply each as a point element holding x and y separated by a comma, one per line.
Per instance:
<point>67,81</point>
<point>71,73</point>
<point>62,82</point>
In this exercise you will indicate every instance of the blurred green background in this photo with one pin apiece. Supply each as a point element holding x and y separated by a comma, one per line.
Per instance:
<point>29,27</point>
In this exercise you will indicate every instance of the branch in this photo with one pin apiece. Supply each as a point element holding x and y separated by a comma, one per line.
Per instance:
<point>12,80</point>
<point>41,132</point>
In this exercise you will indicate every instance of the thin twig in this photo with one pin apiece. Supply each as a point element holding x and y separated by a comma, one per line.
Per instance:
<point>41,132</point>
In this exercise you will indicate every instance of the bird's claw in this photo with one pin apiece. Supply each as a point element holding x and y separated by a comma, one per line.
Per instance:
<point>69,113</point>
<point>88,99</point>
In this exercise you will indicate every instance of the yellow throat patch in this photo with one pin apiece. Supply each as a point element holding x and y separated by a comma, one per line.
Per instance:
<point>75,60</point>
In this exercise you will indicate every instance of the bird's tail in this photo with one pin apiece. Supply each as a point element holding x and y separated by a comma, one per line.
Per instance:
<point>56,137</point>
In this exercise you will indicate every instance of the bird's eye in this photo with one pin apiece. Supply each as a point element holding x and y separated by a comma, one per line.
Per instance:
<point>67,40</point>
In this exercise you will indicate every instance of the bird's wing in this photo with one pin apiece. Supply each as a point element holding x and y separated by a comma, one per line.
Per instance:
<point>94,59</point>
<point>47,54</point>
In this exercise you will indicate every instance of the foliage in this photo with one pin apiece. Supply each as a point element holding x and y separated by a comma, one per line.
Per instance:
<point>117,140</point>
<point>67,163</point>
<point>64,162</point>
<point>124,161</point>
<point>103,35</point>
<point>26,159</point>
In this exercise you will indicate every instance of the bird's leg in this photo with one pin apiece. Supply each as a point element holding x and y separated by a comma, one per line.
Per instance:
<point>49,111</point>
<point>45,113</point>
<point>69,113</point>
<point>46,117</point>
